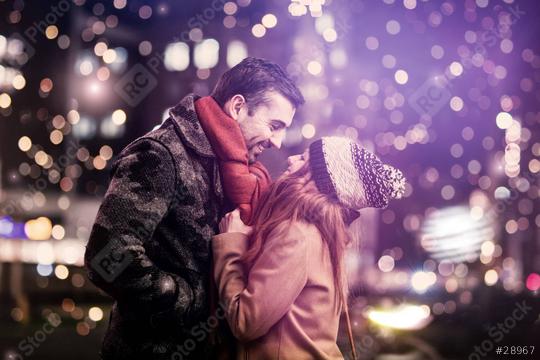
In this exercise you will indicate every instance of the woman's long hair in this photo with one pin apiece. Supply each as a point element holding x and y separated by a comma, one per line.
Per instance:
<point>294,197</point>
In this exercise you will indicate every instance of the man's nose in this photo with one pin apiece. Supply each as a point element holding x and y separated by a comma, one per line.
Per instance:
<point>276,140</point>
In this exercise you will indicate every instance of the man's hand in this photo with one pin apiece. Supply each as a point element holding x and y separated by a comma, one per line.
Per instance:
<point>232,222</point>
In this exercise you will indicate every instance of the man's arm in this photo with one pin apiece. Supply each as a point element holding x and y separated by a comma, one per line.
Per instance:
<point>139,195</point>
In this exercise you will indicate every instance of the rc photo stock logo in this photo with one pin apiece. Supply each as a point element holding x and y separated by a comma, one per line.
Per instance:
<point>140,80</point>
<point>136,84</point>
<point>30,344</point>
<point>435,93</point>
<point>26,42</point>
<point>109,263</point>
<point>498,331</point>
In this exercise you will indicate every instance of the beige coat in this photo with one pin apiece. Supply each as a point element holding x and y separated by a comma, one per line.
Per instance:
<point>285,307</point>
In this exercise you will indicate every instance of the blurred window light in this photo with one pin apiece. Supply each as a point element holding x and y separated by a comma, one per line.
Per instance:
<point>106,152</point>
<point>109,56</point>
<point>86,68</point>
<point>437,52</point>
<point>393,27</point>
<point>206,54</point>
<point>145,48</point>
<point>8,75</point>
<point>110,130</point>
<point>85,128</point>
<point>404,317</point>
<point>103,73</point>
<point>51,32</point>
<point>85,63</point>
<point>455,235</point>
<point>46,85</point>
<point>421,281</point>
<point>388,61</point>
<point>15,47</point>
<point>324,22</point>
<point>269,21</point>
<point>177,56</point>
<point>401,77</point>
<point>308,131</point>
<point>372,43</point>
<point>229,22</point>
<point>338,58</point>
<point>5,101</point>
<point>386,263</point>
<point>19,82</point>
<point>100,48</point>
<point>230,8</point>
<point>119,117</point>
<point>61,272</point>
<point>25,143</point>
<point>196,35</point>
<point>38,229</point>
<point>491,277</point>
<point>409,4</point>
<point>95,313</point>
<point>236,52</point>
<point>120,4</point>
<point>314,67</point>
<point>73,117</point>
<point>504,120</point>
<point>297,9</point>
<point>456,103</point>
<point>44,270</point>
<point>3,46</point>
<point>121,55</point>
<point>330,35</point>
<point>258,30</point>
<point>533,282</point>
<point>456,68</point>
<point>58,232</point>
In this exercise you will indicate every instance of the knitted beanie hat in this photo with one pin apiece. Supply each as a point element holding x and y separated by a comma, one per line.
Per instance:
<point>355,176</point>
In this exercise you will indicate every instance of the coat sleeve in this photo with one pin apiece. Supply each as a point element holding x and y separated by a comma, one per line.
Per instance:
<point>141,191</point>
<point>254,302</point>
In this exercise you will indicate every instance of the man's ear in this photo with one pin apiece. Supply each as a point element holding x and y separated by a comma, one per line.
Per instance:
<point>234,106</point>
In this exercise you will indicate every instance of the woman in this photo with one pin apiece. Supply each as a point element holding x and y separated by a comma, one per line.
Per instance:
<point>281,281</point>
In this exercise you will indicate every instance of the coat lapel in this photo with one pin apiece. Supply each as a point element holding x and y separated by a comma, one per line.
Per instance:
<point>192,134</point>
<point>186,120</point>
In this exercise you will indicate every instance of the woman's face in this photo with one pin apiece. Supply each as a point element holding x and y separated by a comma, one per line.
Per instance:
<point>296,162</point>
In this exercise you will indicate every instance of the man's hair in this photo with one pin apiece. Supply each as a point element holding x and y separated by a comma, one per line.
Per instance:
<point>253,78</point>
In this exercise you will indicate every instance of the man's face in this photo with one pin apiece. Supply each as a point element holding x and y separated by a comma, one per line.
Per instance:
<point>265,126</point>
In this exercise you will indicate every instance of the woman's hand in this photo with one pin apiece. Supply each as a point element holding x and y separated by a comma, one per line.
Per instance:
<point>232,222</point>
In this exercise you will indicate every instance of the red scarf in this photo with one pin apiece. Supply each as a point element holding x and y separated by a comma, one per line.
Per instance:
<point>243,183</point>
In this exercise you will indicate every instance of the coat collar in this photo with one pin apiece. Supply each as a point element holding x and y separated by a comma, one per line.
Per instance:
<point>186,120</point>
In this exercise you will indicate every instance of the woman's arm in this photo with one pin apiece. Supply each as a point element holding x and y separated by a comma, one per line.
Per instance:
<point>256,301</point>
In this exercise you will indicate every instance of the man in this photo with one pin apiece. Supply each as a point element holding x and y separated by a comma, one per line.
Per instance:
<point>150,245</point>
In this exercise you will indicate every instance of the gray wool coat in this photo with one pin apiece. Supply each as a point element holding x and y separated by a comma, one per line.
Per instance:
<point>150,247</point>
